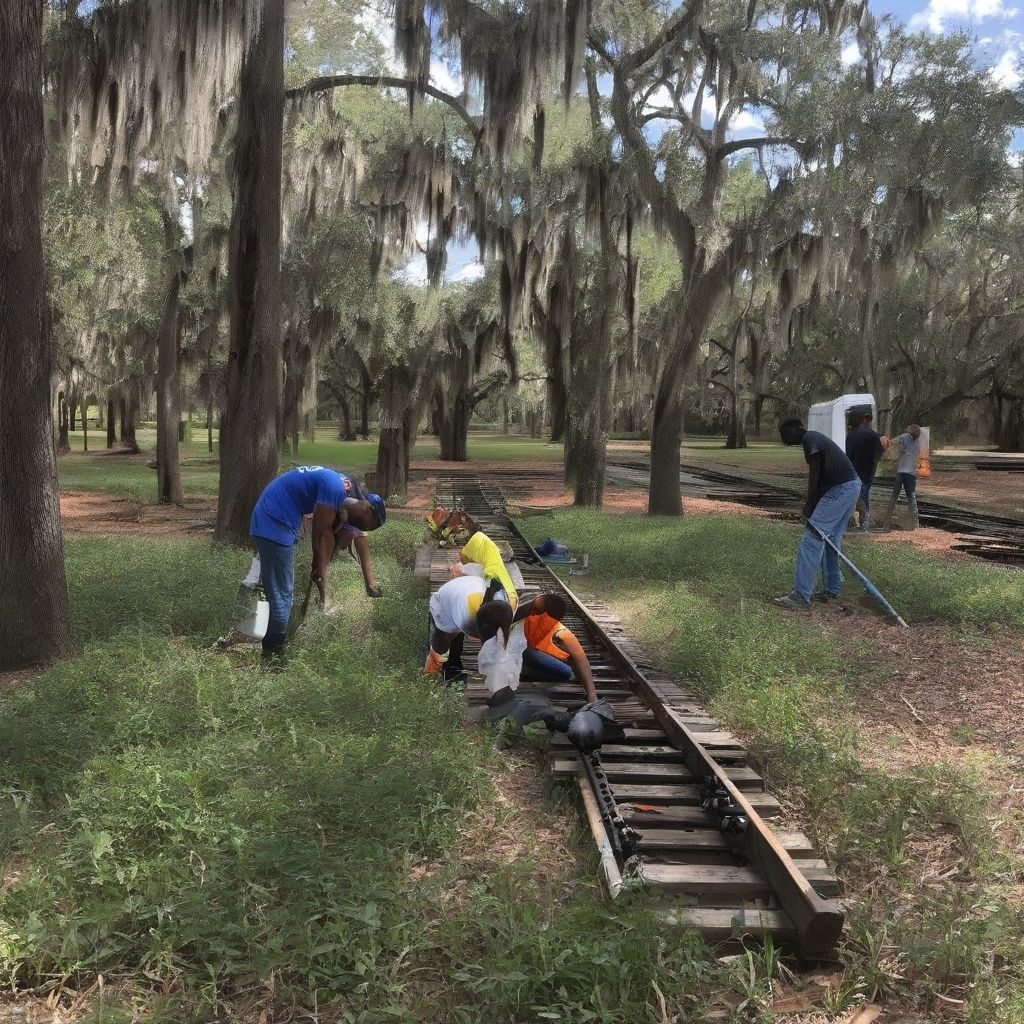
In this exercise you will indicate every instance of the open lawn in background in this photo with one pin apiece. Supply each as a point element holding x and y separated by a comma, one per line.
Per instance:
<point>116,472</point>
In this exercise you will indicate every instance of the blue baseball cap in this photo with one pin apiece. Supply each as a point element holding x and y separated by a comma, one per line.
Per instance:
<point>379,508</point>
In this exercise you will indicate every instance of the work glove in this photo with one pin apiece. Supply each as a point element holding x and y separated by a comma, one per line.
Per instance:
<point>373,590</point>
<point>434,663</point>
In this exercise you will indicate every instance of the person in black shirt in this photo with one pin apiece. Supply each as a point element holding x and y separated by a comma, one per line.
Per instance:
<point>864,448</point>
<point>832,491</point>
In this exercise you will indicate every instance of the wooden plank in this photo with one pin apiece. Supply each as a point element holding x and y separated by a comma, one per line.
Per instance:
<point>630,792</point>
<point>705,879</point>
<point>655,839</point>
<point>719,924</point>
<point>745,778</point>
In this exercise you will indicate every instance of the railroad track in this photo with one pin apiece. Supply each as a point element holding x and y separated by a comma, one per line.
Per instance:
<point>737,877</point>
<point>983,535</point>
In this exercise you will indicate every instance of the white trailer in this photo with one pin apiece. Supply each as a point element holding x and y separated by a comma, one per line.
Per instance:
<point>831,418</point>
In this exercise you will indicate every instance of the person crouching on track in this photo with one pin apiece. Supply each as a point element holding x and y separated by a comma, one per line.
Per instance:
<point>276,524</point>
<point>480,557</point>
<point>466,606</point>
<point>553,653</point>
<point>833,488</point>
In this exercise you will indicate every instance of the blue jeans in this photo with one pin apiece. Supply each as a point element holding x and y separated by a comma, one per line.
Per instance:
<point>908,482</point>
<point>544,668</point>
<point>830,516</point>
<point>277,574</point>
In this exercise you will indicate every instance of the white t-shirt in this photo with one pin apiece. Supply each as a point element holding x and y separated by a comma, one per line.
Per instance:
<point>454,605</point>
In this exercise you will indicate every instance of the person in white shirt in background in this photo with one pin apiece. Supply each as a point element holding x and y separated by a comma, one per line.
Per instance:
<point>908,444</point>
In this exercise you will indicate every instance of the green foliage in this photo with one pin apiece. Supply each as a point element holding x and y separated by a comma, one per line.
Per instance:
<point>323,835</point>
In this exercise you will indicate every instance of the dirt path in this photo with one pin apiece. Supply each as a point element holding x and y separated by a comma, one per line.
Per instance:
<point>92,512</point>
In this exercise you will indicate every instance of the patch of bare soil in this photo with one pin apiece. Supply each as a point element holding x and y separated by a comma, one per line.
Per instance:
<point>11,679</point>
<point>998,491</point>
<point>937,686</point>
<point>934,542</point>
<point>540,485</point>
<point>92,512</point>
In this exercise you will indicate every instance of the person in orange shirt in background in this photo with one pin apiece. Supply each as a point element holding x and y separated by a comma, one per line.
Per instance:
<point>553,653</point>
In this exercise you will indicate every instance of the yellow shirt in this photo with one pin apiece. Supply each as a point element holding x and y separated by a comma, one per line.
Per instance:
<point>480,548</point>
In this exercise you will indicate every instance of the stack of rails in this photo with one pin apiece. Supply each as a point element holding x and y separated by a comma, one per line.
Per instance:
<point>756,882</point>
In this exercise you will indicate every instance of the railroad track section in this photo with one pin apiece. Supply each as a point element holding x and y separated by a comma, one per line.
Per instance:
<point>646,797</point>
<point>992,537</point>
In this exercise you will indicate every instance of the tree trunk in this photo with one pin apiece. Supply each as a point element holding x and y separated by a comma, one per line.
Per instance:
<point>168,380</point>
<point>209,423</point>
<point>111,421</point>
<point>73,410</point>
<point>455,430</point>
<point>664,497</point>
<point>393,446</point>
<point>63,440</point>
<point>758,414</point>
<point>34,612</point>
<point>129,416</point>
<point>85,424</point>
<point>344,420</point>
<point>250,423</point>
<point>364,410</point>
<point>506,424</point>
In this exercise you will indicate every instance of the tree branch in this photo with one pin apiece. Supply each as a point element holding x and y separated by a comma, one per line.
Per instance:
<point>328,82</point>
<point>728,148</point>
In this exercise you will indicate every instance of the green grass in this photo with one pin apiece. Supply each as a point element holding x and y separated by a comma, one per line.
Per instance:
<point>214,838</point>
<point>696,591</point>
<point>130,476</point>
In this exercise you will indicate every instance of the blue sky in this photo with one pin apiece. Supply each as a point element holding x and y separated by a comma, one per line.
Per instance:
<point>998,26</point>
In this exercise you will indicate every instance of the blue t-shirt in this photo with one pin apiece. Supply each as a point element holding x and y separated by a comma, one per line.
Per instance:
<point>278,514</point>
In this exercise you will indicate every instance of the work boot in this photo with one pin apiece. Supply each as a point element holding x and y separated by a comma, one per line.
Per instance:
<point>826,597</point>
<point>793,602</point>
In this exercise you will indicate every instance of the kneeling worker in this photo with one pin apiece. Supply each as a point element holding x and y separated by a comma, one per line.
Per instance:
<point>334,500</point>
<point>466,606</point>
<point>553,654</point>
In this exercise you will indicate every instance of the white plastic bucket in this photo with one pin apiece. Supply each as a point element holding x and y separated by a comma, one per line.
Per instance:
<point>255,625</point>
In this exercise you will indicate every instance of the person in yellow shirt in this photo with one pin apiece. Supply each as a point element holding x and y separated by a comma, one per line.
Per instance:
<point>481,557</point>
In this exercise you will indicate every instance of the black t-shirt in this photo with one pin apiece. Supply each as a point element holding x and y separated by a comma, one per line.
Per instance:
<point>837,469</point>
<point>864,448</point>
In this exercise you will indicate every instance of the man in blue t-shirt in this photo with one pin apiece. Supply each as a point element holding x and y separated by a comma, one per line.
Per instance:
<point>336,503</point>
<point>833,488</point>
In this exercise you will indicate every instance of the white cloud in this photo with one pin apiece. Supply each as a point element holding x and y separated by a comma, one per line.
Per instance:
<point>413,272</point>
<point>1005,72</point>
<point>442,76</point>
<point>375,21</point>
<point>938,12</point>
<point>470,272</point>
<point>1015,159</point>
<point>747,121</point>
<point>850,53</point>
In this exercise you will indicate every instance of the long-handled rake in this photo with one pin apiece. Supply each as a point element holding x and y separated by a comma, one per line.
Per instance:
<point>868,585</point>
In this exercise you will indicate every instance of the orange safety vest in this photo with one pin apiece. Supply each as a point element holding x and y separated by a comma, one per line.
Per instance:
<point>541,631</point>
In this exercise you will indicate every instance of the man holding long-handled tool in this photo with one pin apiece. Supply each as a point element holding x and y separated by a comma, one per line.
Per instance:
<point>833,488</point>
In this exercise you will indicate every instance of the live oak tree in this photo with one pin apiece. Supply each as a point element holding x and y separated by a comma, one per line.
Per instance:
<point>34,613</point>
